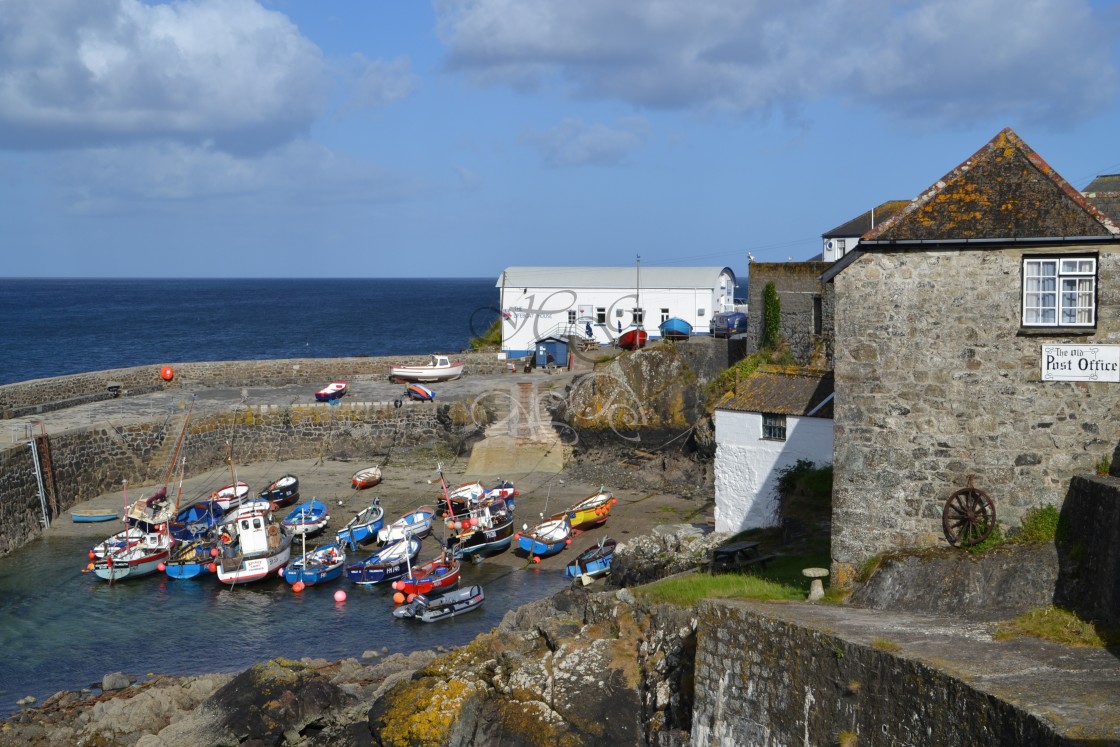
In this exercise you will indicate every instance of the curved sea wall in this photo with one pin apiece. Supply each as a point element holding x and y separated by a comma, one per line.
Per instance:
<point>85,463</point>
<point>45,395</point>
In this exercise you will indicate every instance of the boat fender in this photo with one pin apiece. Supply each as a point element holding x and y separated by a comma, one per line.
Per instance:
<point>226,539</point>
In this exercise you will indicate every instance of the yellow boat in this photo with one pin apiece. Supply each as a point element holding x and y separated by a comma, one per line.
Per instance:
<point>591,511</point>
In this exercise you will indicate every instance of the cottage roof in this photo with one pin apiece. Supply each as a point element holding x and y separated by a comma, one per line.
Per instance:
<point>783,390</point>
<point>860,225</point>
<point>613,277</point>
<point>1104,191</point>
<point>1003,191</point>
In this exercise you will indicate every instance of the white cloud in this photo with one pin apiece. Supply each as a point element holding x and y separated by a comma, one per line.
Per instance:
<point>78,73</point>
<point>572,143</point>
<point>950,61</point>
<point>378,83</point>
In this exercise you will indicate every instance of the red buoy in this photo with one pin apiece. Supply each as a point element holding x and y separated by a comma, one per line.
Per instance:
<point>167,373</point>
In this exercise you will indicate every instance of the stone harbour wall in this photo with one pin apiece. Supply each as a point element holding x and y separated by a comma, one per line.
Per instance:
<point>936,380</point>
<point>44,395</point>
<point>766,682</point>
<point>88,463</point>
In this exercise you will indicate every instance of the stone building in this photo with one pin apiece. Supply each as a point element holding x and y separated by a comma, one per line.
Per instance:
<point>977,333</point>
<point>806,318</point>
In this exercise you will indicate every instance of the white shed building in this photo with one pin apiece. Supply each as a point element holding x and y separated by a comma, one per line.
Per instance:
<point>777,417</point>
<point>601,303</point>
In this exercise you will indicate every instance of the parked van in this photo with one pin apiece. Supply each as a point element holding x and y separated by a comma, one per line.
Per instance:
<point>728,323</point>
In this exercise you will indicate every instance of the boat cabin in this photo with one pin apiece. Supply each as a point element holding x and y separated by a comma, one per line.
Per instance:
<point>253,533</point>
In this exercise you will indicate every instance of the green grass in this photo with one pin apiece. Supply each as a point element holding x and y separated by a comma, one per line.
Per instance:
<point>491,338</point>
<point>1040,525</point>
<point>1060,626</point>
<point>686,591</point>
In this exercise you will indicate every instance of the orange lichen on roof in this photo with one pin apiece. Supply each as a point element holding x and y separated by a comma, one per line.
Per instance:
<point>782,390</point>
<point>1004,190</point>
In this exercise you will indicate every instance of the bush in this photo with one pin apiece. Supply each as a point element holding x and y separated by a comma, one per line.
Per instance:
<point>1040,525</point>
<point>771,316</point>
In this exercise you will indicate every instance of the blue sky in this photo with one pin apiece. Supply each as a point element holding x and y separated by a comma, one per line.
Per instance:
<point>401,138</point>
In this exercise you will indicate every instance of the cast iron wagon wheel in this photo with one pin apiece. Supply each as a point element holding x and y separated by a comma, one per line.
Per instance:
<point>969,516</point>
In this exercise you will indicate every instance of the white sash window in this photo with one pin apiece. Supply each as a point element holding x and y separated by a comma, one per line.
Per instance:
<point>1059,291</point>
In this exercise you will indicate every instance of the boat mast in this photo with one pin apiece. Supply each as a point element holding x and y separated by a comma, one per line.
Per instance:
<point>175,456</point>
<point>638,295</point>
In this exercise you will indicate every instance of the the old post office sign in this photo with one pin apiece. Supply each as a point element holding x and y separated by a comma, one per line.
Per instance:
<point>1081,363</point>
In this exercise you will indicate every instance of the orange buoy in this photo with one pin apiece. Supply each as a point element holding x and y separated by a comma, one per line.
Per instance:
<point>340,596</point>
<point>167,373</point>
<point>162,567</point>
<point>213,567</point>
<point>297,587</point>
<point>398,598</point>
<point>536,558</point>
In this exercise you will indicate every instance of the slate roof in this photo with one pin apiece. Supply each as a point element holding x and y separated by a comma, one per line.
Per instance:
<point>612,277</point>
<point>783,391</point>
<point>1104,191</point>
<point>1003,191</point>
<point>864,223</point>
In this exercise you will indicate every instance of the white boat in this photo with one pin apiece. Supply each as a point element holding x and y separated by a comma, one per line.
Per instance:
<point>439,368</point>
<point>138,556</point>
<point>230,495</point>
<point>259,548</point>
<point>416,524</point>
<point>366,478</point>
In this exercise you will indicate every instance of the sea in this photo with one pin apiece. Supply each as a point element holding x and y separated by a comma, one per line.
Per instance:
<point>62,629</point>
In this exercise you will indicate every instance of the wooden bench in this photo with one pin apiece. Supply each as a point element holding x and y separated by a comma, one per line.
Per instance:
<point>737,556</point>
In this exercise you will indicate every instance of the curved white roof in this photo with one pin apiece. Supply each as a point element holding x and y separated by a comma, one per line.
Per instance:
<point>613,277</point>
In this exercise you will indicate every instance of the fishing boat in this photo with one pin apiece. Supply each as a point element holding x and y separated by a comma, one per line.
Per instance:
<point>460,500</point>
<point>387,564</point>
<point>419,393</point>
<point>282,493</point>
<point>546,538</point>
<point>195,520</point>
<point>332,391</point>
<point>675,328</point>
<point>486,530</point>
<point>504,489</point>
<point>432,607</point>
<point>593,562</point>
<point>437,574</point>
<point>231,495</point>
<point>592,511</point>
<point>438,368</point>
<point>258,548</point>
<point>633,339</point>
<point>322,564</point>
<point>363,528</point>
<point>138,557</point>
<point>416,523</point>
<point>92,515</point>
<point>307,518</point>
<point>192,559</point>
<point>157,508</point>
<point>366,478</point>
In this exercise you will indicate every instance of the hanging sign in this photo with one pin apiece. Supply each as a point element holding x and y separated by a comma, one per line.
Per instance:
<point>1081,363</point>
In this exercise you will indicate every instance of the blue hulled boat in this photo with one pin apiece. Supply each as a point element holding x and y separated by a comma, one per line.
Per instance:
<point>193,559</point>
<point>547,538</point>
<point>196,520</point>
<point>675,328</point>
<point>387,564</point>
<point>363,528</point>
<point>324,563</point>
<point>307,518</point>
<point>593,562</point>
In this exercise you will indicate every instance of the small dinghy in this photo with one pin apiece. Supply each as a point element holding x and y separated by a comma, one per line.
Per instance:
<point>366,478</point>
<point>547,538</point>
<point>363,528</point>
<point>592,511</point>
<point>231,495</point>
<point>282,493</point>
<point>92,515</point>
<point>430,608</point>
<point>419,393</point>
<point>593,562</point>
<point>307,518</point>
<point>324,563</point>
<point>332,391</point>
<point>417,524</point>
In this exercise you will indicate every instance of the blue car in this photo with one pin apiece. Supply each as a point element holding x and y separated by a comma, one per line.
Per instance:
<point>728,323</point>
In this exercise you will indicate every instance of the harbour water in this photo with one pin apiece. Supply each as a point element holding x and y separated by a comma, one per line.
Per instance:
<point>63,629</point>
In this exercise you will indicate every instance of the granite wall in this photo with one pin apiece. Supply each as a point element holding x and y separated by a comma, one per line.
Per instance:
<point>85,464</point>
<point>43,395</point>
<point>768,682</point>
<point>799,288</point>
<point>936,380</point>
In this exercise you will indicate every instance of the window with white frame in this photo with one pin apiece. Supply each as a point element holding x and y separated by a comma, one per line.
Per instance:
<point>1059,291</point>
<point>773,427</point>
<point>639,315</point>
